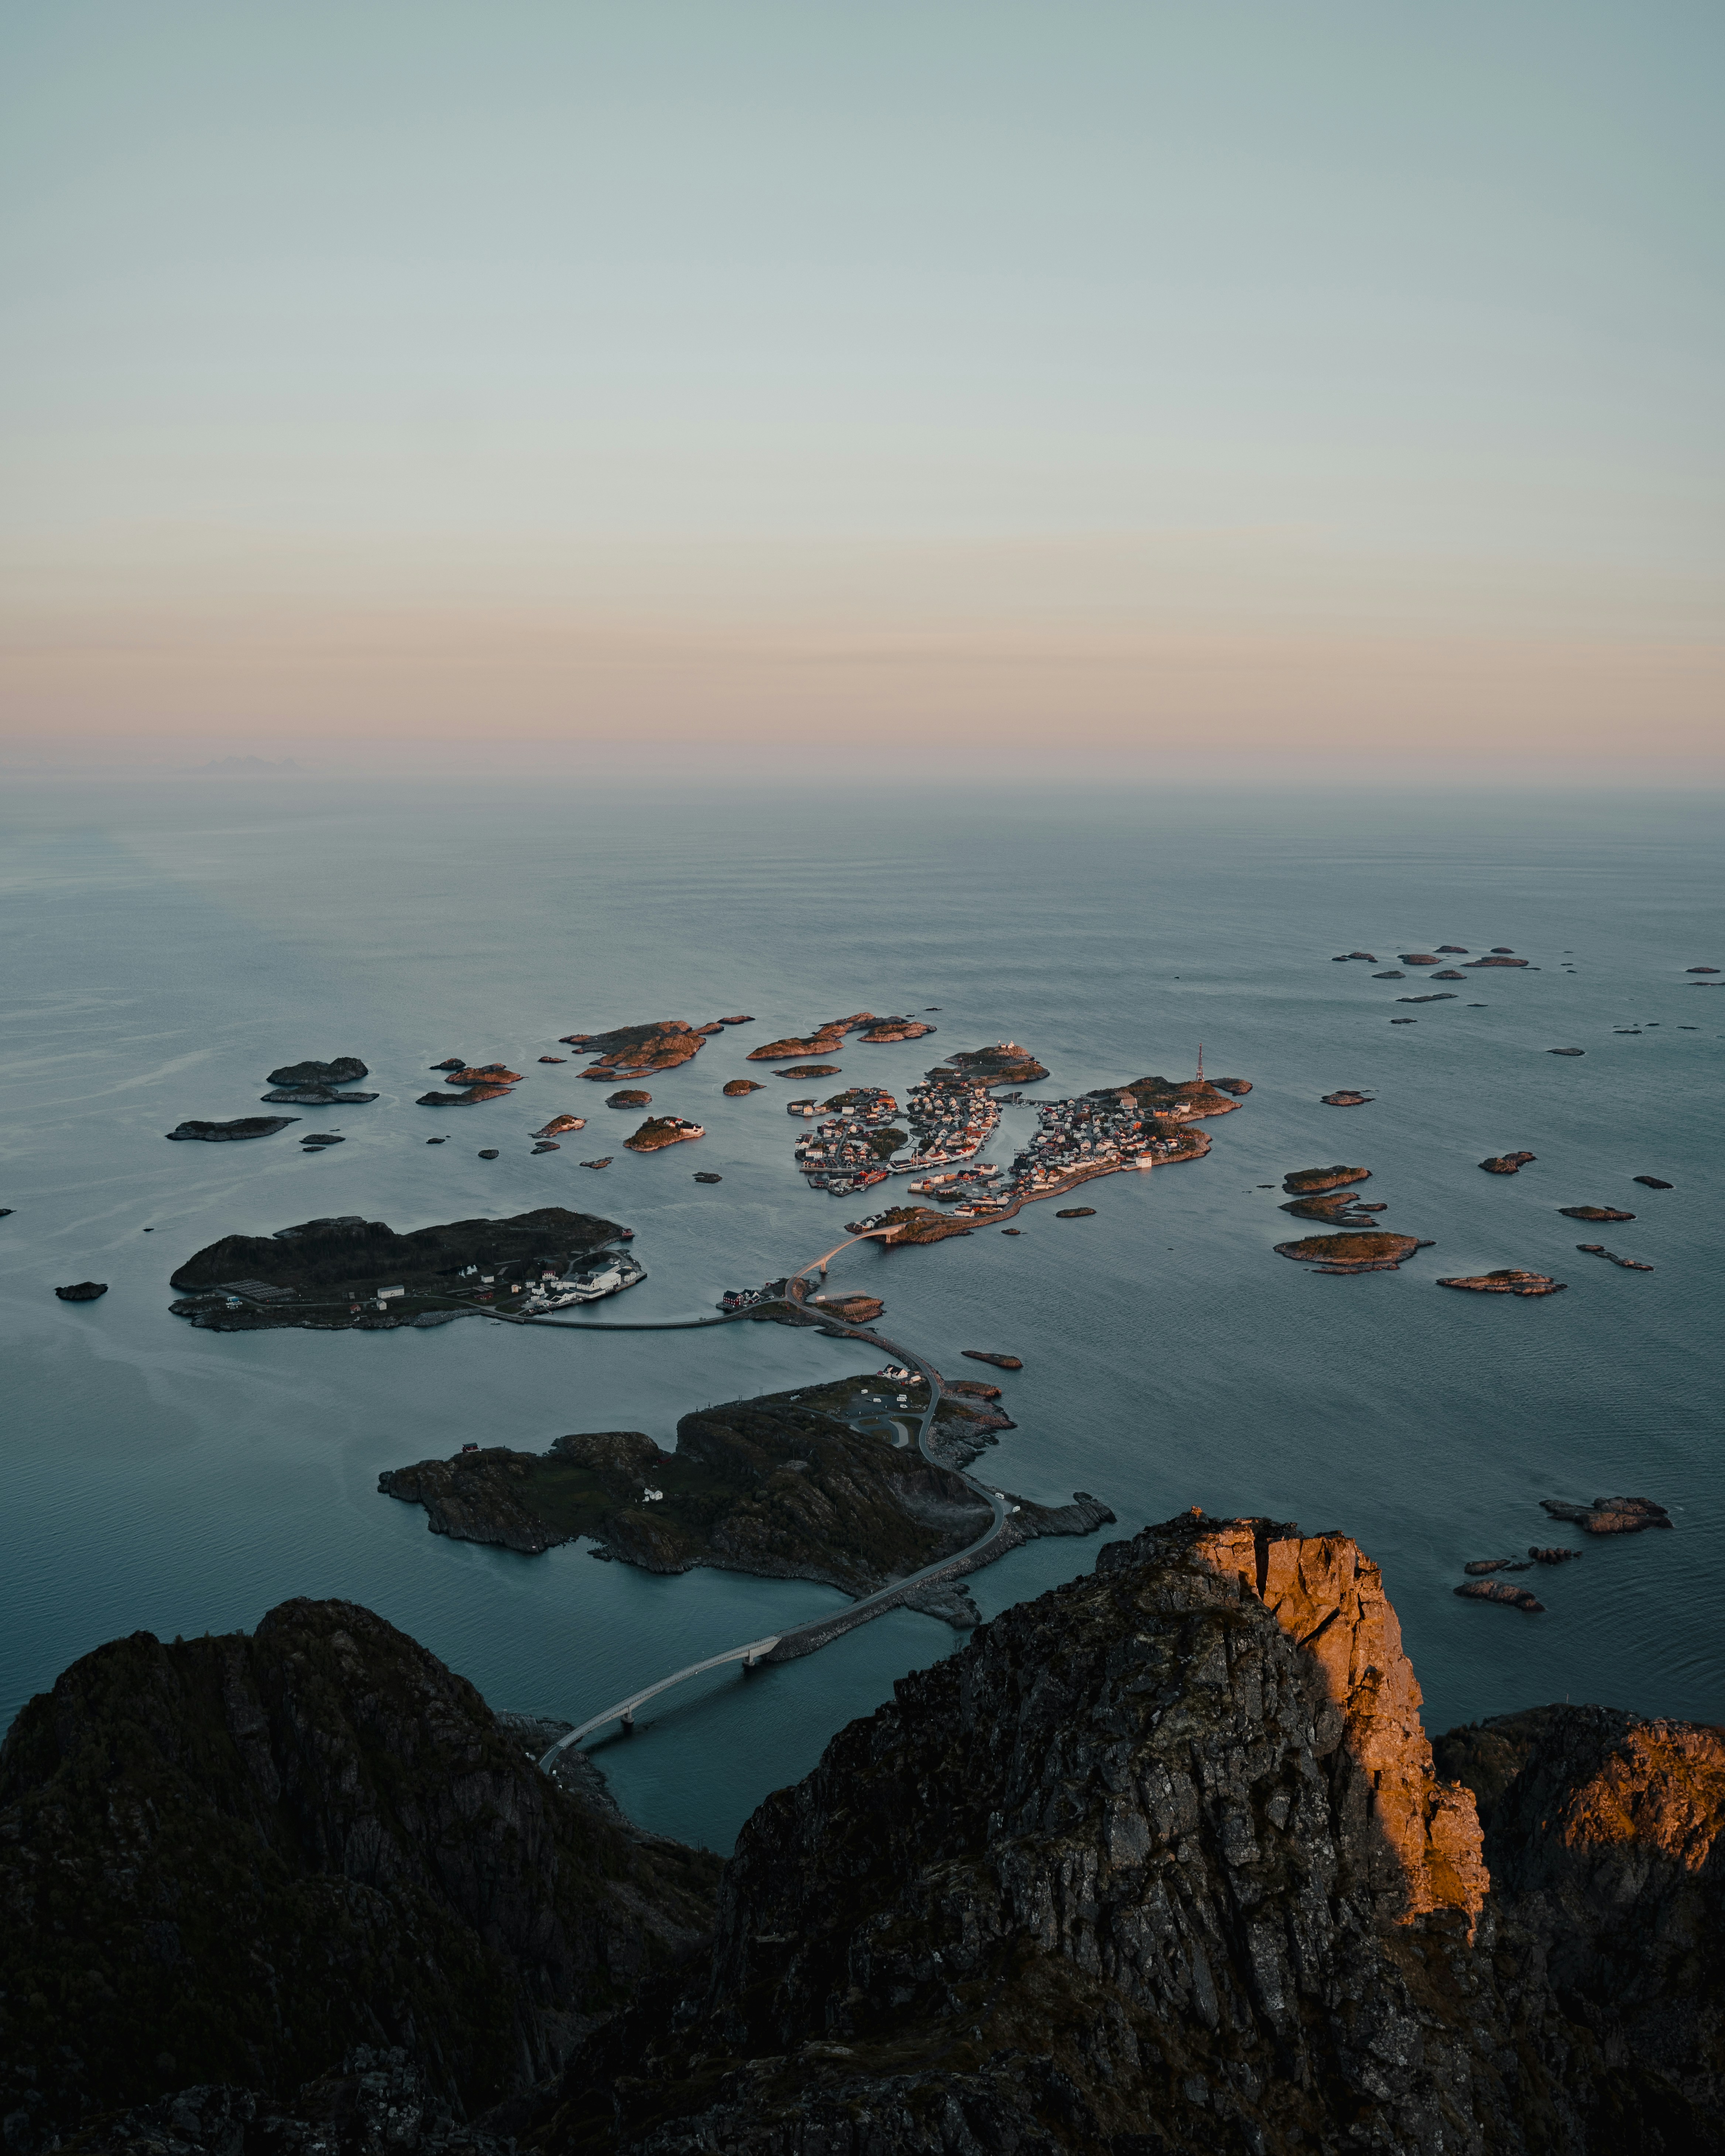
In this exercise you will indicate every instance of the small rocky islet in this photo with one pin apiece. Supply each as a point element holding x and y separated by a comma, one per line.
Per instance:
<point>638,1051</point>
<point>1506,1163</point>
<point>1324,1193</point>
<point>313,1085</point>
<point>1354,1251</point>
<point>467,1085</point>
<point>659,1132</point>
<point>1506,1279</point>
<point>82,1291</point>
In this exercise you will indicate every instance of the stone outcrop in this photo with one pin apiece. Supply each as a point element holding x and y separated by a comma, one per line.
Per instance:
<point>1506,1163</point>
<point>223,1860</point>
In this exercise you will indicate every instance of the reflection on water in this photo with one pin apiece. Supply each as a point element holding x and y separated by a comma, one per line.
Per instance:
<point>171,948</point>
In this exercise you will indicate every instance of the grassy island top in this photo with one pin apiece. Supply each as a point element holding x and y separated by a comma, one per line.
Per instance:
<point>350,1254</point>
<point>777,1486</point>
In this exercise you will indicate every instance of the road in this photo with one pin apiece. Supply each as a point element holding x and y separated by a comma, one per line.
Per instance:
<point>798,1639</point>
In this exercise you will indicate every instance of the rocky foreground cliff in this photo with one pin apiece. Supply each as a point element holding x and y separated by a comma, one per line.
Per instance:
<point>1162,1862</point>
<point>232,1860</point>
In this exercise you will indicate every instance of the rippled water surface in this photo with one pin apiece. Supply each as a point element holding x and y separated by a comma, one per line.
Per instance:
<point>168,945</point>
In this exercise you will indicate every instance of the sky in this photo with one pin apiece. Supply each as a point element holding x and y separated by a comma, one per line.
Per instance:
<point>1243,391</point>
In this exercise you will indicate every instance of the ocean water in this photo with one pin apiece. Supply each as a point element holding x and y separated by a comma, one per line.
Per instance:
<point>168,944</point>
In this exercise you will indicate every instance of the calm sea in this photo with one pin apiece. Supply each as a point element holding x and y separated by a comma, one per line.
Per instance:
<point>167,945</point>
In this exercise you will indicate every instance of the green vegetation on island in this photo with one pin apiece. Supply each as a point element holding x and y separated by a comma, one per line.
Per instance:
<point>776,1486</point>
<point>349,1272</point>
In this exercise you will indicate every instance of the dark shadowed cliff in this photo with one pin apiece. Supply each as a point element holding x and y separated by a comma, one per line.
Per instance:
<point>1162,1864</point>
<point>232,1860</point>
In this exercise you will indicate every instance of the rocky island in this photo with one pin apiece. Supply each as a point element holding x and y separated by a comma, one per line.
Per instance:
<point>637,1051</point>
<point>343,1071</point>
<point>1339,1208</point>
<point>782,1486</point>
<point>1609,1516</point>
<point>348,1273</point>
<point>887,1031</point>
<point>1506,1163</point>
<point>1594,1213</point>
<point>242,1126</point>
<point>82,1291</point>
<point>1302,1926</point>
<point>319,1085</point>
<point>739,1089</point>
<point>1308,1182</point>
<point>659,1132</point>
<point>1507,1280</point>
<point>1347,1098</point>
<point>470,1084</point>
<point>825,1039</point>
<point>1353,1252</point>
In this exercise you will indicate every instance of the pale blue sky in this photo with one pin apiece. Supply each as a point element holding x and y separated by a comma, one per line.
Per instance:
<point>1138,320</point>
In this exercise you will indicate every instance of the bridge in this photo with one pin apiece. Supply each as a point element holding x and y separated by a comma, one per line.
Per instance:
<point>625,1710</point>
